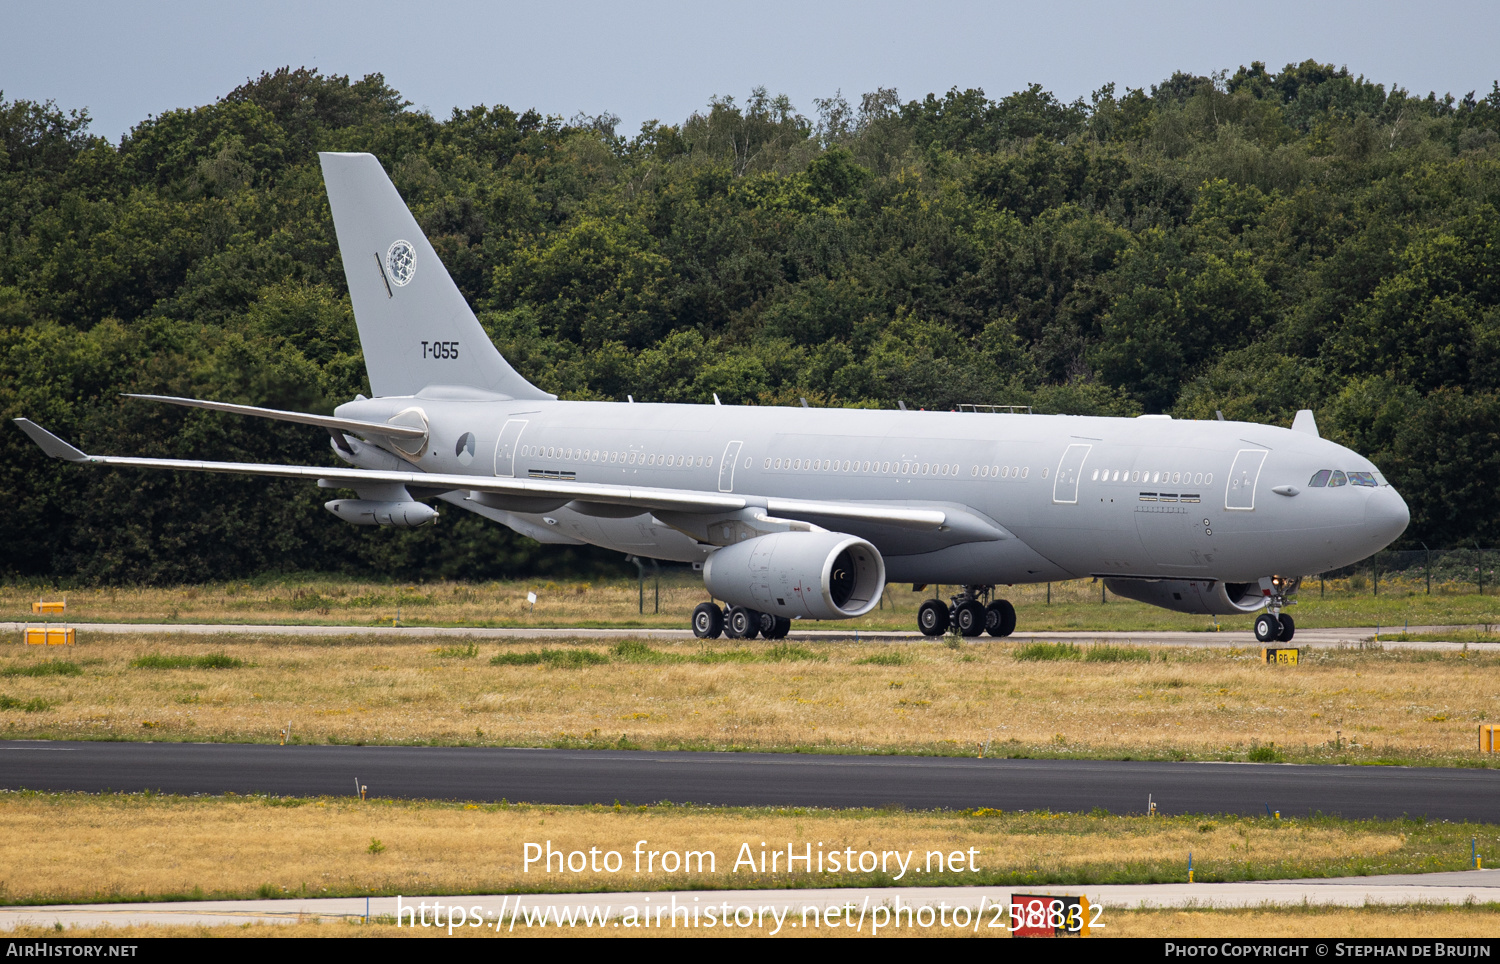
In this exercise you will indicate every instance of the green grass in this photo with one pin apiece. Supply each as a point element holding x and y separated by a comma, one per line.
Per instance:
<point>211,661</point>
<point>458,652</point>
<point>1037,652</point>
<point>892,658</point>
<point>53,667</point>
<point>29,706</point>
<point>561,658</point>
<point>1453,636</point>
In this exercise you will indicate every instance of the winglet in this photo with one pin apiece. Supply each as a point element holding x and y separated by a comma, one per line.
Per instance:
<point>50,443</point>
<point>1304,422</point>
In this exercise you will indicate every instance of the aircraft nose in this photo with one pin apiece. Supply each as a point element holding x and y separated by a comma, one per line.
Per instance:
<point>1386,515</point>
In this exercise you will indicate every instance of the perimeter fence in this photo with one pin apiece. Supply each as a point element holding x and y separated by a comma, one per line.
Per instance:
<point>1429,571</point>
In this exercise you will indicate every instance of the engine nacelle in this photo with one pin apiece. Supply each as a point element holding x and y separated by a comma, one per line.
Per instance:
<point>1207,597</point>
<point>367,512</point>
<point>814,575</point>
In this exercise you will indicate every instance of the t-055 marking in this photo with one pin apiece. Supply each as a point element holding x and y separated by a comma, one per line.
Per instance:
<point>440,349</point>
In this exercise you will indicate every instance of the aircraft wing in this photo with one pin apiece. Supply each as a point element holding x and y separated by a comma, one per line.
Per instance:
<point>644,497</point>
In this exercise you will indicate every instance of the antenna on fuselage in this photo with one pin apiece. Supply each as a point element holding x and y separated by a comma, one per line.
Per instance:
<point>804,404</point>
<point>630,399</point>
<point>1220,414</point>
<point>716,399</point>
<point>902,404</point>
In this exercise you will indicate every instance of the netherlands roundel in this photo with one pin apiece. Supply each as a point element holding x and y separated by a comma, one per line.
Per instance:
<point>465,448</point>
<point>401,262</point>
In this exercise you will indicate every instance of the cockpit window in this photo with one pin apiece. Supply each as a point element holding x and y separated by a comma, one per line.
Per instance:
<point>1320,479</point>
<point>1338,479</point>
<point>1362,478</point>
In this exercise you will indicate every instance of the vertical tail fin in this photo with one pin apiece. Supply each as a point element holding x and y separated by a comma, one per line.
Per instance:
<point>414,325</point>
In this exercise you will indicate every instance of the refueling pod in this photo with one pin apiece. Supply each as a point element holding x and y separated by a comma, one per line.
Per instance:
<point>1207,597</point>
<point>368,512</point>
<point>812,575</point>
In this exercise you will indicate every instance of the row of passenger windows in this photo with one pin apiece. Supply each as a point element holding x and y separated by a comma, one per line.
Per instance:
<point>1173,478</point>
<point>898,468</point>
<point>617,458</point>
<point>1333,477</point>
<point>834,465</point>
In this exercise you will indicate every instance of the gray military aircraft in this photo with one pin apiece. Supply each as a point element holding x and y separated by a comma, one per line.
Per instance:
<point>798,513</point>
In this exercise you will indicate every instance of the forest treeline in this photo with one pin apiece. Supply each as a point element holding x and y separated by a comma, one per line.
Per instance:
<point>1251,243</point>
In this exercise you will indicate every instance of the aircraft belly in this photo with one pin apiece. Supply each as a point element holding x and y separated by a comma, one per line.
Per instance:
<point>978,563</point>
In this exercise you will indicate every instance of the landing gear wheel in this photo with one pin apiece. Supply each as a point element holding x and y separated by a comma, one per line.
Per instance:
<point>1267,628</point>
<point>1000,618</point>
<point>774,627</point>
<point>742,623</point>
<point>1288,629</point>
<point>932,618</point>
<point>708,621</point>
<point>969,618</point>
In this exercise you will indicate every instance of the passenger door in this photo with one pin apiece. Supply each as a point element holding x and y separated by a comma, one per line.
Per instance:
<point>1239,493</point>
<point>505,447</point>
<point>726,466</point>
<point>1069,474</point>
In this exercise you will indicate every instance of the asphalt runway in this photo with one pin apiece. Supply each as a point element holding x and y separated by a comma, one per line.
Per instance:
<point>1347,637</point>
<point>751,779</point>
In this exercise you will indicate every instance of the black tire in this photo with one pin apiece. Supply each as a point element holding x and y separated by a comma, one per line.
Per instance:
<point>1288,629</point>
<point>780,626</point>
<point>1000,618</point>
<point>932,618</point>
<point>968,618</point>
<point>1267,628</point>
<point>742,623</point>
<point>708,621</point>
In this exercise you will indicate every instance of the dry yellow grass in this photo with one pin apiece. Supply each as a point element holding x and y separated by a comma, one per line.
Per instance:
<point>837,696</point>
<point>65,848</point>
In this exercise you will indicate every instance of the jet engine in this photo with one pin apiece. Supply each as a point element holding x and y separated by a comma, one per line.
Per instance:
<point>814,575</point>
<point>368,512</point>
<point>1208,597</point>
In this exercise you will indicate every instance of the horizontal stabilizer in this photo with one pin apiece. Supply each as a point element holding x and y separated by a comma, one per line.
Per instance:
<point>301,418</point>
<point>50,443</point>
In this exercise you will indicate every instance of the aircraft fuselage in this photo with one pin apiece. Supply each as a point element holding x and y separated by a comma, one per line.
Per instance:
<point>1035,497</point>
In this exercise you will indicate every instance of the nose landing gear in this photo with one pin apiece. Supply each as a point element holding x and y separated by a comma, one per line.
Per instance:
<point>968,614</point>
<point>1274,625</point>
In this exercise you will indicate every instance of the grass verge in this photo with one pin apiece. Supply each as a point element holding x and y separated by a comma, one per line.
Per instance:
<point>1364,705</point>
<point>66,848</point>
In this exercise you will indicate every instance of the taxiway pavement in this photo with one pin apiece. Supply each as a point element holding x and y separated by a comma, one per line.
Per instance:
<point>750,779</point>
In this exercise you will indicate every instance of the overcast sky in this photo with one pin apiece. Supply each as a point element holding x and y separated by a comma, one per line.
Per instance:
<point>125,60</point>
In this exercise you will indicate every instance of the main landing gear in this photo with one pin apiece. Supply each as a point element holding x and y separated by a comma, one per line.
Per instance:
<point>710,620</point>
<point>968,613</point>
<point>1273,625</point>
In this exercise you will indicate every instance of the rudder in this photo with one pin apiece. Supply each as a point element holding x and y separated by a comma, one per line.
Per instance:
<point>414,324</point>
